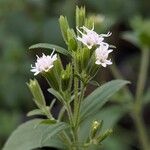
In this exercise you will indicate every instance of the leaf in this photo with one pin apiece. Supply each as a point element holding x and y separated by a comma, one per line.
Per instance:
<point>99,97</point>
<point>95,83</point>
<point>35,112</point>
<point>52,104</point>
<point>51,47</point>
<point>48,121</point>
<point>109,115</point>
<point>131,37</point>
<point>118,142</point>
<point>31,135</point>
<point>56,94</point>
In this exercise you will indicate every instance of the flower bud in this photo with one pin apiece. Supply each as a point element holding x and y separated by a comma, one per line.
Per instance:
<point>105,135</point>
<point>92,68</point>
<point>95,128</point>
<point>85,57</point>
<point>64,26</point>
<point>80,16</point>
<point>66,77</point>
<point>53,75</point>
<point>72,43</point>
<point>96,19</point>
<point>37,93</point>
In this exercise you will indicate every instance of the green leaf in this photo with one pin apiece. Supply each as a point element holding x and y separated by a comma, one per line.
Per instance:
<point>95,83</point>
<point>99,97</point>
<point>35,112</point>
<point>131,37</point>
<point>48,121</point>
<point>31,135</point>
<point>51,47</point>
<point>56,94</point>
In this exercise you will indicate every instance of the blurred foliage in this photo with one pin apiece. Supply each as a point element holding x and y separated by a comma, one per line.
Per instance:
<point>141,33</point>
<point>25,22</point>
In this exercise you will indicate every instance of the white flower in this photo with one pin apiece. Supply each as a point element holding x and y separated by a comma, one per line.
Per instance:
<point>101,54</point>
<point>91,38</point>
<point>44,63</point>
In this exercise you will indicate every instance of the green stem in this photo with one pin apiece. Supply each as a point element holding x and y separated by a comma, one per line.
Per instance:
<point>79,104</point>
<point>142,76</point>
<point>76,86</point>
<point>141,130</point>
<point>70,115</point>
<point>137,111</point>
<point>64,137</point>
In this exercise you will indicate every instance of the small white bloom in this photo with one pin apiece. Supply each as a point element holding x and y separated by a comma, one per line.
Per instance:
<point>101,54</point>
<point>91,38</point>
<point>44,63</point>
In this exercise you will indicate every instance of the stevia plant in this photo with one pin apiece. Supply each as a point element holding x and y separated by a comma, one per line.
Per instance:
<point>87,52</point>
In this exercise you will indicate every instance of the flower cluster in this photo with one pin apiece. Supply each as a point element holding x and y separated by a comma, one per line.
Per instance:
<point>90,38</point>
<point>44,63</point>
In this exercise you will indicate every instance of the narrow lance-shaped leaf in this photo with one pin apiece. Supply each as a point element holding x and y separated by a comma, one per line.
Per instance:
<point>56,94</point>
<point>99,97</point>
<point>32,135</point>
<point>50,47</point>
<point>35,112</point>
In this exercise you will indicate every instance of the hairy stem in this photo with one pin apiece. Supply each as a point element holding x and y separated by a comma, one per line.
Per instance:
<point>79,104</point>
<point>76,86</point>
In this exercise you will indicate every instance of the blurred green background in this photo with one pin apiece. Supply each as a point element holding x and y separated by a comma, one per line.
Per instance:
<point>26,22</point>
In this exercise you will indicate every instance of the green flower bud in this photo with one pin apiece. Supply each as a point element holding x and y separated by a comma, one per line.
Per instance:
<point>95,128</point>
<point>53,75</point>
<point>93,18</point>
<point>105,135</point>
<point>91,67</point>
<point>80,16</point>
<point>85,57</point>
<point>66,78</point>
<point>72,43</point>
<point>64,26</point>
<point>37,93</point>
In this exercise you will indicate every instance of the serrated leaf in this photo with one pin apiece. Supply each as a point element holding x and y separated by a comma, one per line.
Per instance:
<point>50,47</point>
<point>31,135</point>
<point>99,97</point>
